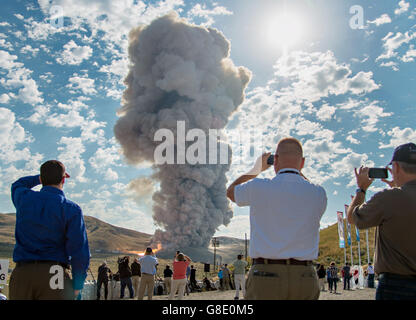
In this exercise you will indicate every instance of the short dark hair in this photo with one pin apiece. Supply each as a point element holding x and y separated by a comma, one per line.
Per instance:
<point>239,256</point>
<point>52,172</point>
<point>409,168</point>
<point>149,250</point>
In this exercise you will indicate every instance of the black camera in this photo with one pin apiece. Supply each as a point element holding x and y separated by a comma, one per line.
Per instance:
<point>270,159</point>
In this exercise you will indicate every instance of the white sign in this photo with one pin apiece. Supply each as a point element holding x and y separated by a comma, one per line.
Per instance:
<point>4,269</point>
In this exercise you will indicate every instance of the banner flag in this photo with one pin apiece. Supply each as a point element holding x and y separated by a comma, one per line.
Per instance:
<point>348,227</point>
<point>341,229</point>
<point>357,233</point>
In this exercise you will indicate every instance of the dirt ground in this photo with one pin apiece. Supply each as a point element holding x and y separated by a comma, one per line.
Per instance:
<point>358,294</point>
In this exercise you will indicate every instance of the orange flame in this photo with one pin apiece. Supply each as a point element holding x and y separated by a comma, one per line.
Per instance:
<point>141,253</point>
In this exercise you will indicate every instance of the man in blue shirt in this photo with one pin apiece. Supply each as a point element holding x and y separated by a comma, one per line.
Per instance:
<point>50,235</point>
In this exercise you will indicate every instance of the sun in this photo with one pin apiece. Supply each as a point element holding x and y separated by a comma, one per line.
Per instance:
<point>283,30</point>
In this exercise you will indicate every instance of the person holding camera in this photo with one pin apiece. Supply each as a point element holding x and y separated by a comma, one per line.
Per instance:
<point>393,213</point>
<point>50,237</point>
<point>179,282</point>
<point>125,276</point>
<point>104,274</point>
<point>148,265</point>
<point>285,214</point>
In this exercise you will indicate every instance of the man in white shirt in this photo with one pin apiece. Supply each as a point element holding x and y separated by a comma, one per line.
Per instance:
<point>285,214</point>
<point>148,265</point>
<point>370,272</point>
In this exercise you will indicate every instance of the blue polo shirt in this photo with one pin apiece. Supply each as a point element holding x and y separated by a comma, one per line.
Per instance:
<point>49,227</point>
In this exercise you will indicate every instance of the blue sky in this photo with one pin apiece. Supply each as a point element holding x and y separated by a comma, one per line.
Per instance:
<point>347,94</point>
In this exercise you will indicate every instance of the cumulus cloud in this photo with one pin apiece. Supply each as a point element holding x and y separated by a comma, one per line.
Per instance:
<point>316,75</point>
<point>403,7</point>
<point>201,11</point>
<point>74,54</point>
<point>18,78</point>
<point>11,135</point>
<point>399,136</point>
<point>391,42</point>
<point>70,153</point>
<point>383,19</point>
<point>81,83</point>
<point>180,72</point>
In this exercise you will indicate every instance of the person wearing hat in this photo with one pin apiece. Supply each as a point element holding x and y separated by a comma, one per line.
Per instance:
<point>393,213</point>
<point>148,265</point>
<point>50,236</point>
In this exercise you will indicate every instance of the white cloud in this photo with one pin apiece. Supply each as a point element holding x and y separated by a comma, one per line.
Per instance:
<point>28,49</point>
<point>81,83</point>
<point>11,135</point>
<point>18,77</point>
<point>383,19</point>
<point>410,55</point>
<point>71,150</point>
<point>394,41</point>
<point>326,112</point>
<point>238,226</point>
<point>371,115</point>
<point>110,175</point>
<point>104,157</point>
<point>4,98</point>
<point>399,136</point>
<point>403,7</point>
<point>201,11</point>
<point>74,54</point>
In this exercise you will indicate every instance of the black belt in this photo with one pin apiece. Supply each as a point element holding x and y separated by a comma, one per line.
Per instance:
<point>22,263</point>
<point>282,261</point>
<point>388,275</point>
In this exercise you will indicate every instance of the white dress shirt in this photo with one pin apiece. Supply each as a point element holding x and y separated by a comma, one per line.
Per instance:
<point>285,214</point>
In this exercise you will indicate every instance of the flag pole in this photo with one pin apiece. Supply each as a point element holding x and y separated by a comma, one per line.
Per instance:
<point>368,249</point>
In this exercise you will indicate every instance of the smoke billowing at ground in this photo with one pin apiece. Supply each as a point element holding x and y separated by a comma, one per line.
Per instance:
<point>180,72</point>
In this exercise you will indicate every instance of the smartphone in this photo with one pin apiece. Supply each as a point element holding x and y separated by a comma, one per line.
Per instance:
<point>270,159</point>
<point>378,173</point>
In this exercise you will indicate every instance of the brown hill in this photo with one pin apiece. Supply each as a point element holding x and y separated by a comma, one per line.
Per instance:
<point>105,238</point>
<point>102,237</point>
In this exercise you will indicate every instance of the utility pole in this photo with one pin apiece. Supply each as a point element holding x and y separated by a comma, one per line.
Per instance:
<point>215,244</point>
<point>246,247</point>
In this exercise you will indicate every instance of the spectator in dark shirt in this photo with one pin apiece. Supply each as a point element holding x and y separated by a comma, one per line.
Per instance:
<point>103,273</point>
<point>50,236</point>
<point>321,276</point>
<point>135,276</point>
<point>125,276</point>
<point>194,285</point>
<point>346,275</point>
<point>167,274</point>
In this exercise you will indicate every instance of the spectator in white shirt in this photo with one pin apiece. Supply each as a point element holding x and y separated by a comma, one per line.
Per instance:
<point>285,214</point>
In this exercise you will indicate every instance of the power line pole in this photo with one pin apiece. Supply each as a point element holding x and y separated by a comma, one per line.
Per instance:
<point>215,244</point>
<point>246,246</point>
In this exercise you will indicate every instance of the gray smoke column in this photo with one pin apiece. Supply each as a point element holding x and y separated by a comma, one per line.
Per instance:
<point>180,72</point>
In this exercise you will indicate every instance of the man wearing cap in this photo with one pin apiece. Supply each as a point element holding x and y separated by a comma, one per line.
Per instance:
<point>148,265</point>
<point>285,214</point>
<point>393,213</point>
<point>50,236</point>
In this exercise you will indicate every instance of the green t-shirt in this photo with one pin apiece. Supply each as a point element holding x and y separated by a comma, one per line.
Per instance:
<point>240,266</point>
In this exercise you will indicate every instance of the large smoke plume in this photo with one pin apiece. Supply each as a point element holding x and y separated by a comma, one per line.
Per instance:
<point>180,72</point>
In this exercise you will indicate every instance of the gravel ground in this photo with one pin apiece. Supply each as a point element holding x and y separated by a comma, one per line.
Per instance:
<point>358,294</point>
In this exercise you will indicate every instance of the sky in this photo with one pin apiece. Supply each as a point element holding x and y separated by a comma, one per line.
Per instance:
<point>337,75</point>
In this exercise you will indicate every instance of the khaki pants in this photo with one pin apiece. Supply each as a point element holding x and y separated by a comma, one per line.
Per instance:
<point>321,284</point>
<point>147,281</point>
<point>178,285</point>
<point>226,282</point>
<point>282,282</point>
<point>240,280</point>
<point>135,280</point>
<point>168,282</point>
<point>32,282</point>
